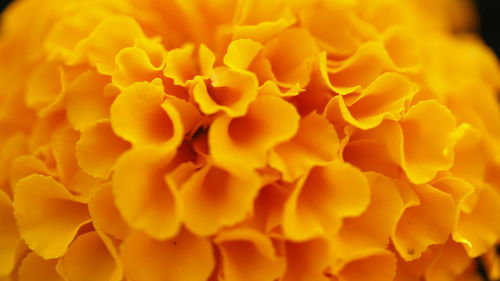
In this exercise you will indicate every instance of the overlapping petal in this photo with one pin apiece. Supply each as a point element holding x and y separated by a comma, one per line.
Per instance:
<point>322,198</point>
<point>39,199</point>
<point>185,257</point>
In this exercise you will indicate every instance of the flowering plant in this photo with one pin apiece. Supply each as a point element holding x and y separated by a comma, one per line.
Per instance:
<point>191,140</point>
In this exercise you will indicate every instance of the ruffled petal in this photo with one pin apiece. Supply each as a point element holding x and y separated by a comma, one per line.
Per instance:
<point>9,235</point>
<point>230,91</point>
<point>98,149</point>
<point>385,98</point>
<point>479,228</point>
<point>91,257</point>
<point>143,115</point>
<point>316,143</point>
<point>213,197</point>
<point>105,215</point>
<point>248,255</point>
<point>112,35</point>
<point>307,260</point>
<point>144,199</point>
<point>143,62</point>
<point>183,64</point>
<point>34,268</point>
<point>428,132</point>
<point>89,90</point>
<point>39,199</point>
<point>373,228</point>
<point>185,257</point>
<point>452,261</point>
<point>322,198</point>
<point>419,227</point>
<point>240,53</point>
<point>379,266</point>
<point>294,66</point>
<point>244,142</point>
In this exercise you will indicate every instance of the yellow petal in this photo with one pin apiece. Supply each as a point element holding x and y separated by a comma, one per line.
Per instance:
<point>144,199</point>
<point>385,98</point>
<point>25,165</point>
<point>34,268</point>
<point>248,255</point>
<point>403,49</point>
<point>141,115</point>
<point>373,228</point>
<point>40,199</point>
<point>104,213</point>
<point>240,53</point>
<point>244,142</point>
<point>14,145</point>
<point>294,65</point>
<point>322,198</point>
<point>480,229</point>
<point>182,258</point>
<point>307,260</point>
<point>230,91</point>
<point>44,86</point>
<point>87,91</point>
<point>143,62</point>
<point>377,267</point>
<point>9,235</point>
<point>91,257</point>
<point>112,34</point>
<point>183,64</point>
<point>98,149</point>
<point>316,143</point>
<point>419,227</point>
<point>451,262</point>
<point>213,197</point>
<point>428,129</point>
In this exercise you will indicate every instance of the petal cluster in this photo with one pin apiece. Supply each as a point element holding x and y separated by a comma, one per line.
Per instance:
<point>255,140</point>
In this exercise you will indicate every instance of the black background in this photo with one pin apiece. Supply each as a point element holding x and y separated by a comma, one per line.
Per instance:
<point>489,12</point>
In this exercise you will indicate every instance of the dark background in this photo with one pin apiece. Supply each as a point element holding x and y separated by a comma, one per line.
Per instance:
<point>489,12</point>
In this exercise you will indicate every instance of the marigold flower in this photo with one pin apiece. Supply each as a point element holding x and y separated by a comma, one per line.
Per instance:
<point>249,140</point>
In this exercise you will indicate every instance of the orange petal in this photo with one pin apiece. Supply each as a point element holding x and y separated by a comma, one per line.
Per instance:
<point>144,199</point>
<point>316,143</point>
<point>35,268</point>
<point>248,255</point>
<point>9,235</point>
<point>360,69</point>
<point>342,40</point>
<point>44,86</point>
<point>91,257</point>
<point>39,199</point>
<point>25,165</point>
<point>377,267</point>
<point>70,174</point>
<point>452,261</point>
<point>419,227</point>
<point>143,62</point>
<point>244,142</point>
<point>87,91</point>
<point>479,229</point>
<point>307,260</point>
<point>104,213</point>
<point>183,64</point>
<point>373,228</point>
<point>213,197</point>
<point>385,98</point>
<point>143,116</point>
<point>293,66</point>
<point>322,198</point>
<point>182,258</point>
<point>403,49</point>
<point>428,132</point>
<point>231,91</point>
<point>113,34</point>
<point>240,53</point>
<point>14,145</point>
<point>98,149</point>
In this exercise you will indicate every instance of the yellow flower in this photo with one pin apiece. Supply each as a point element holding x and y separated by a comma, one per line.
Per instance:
<point>253,140</point>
